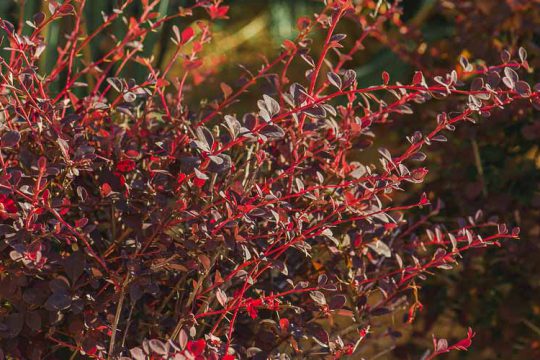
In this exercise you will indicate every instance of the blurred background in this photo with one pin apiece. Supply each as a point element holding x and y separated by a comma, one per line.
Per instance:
<point>494,166</point>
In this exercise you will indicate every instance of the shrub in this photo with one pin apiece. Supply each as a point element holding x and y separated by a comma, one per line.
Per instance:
<point>138,210</point>
<point>497,171</point>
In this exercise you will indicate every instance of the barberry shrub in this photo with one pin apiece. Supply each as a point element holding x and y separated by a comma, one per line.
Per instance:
<point>141,221</point>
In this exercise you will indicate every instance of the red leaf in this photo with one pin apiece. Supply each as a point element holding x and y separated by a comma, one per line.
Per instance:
<point>385,77</point>
<point>284,324</point>
<point>251,308</point>
<point>125,166</point>
<point>92,350</point>
<point>81,222</point>
<point>132,153</point>
<point>181,178</point>
<point>464,344</point>
<point>187,34</point>
<point>289,45</point>
<point>302,23</point>
<point>162,83</point>
<point>418,78</point>
<point>218,12</point>
<point>106,189</point>
<point>423,200</point>
<point>7,204</point>
<point>42,163</point>
<point>7,207</point>
<point>197,46</point>
<point>192,64</point>
<point>199,182</point>
<point>66,9</point>
<point>196,347</point>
